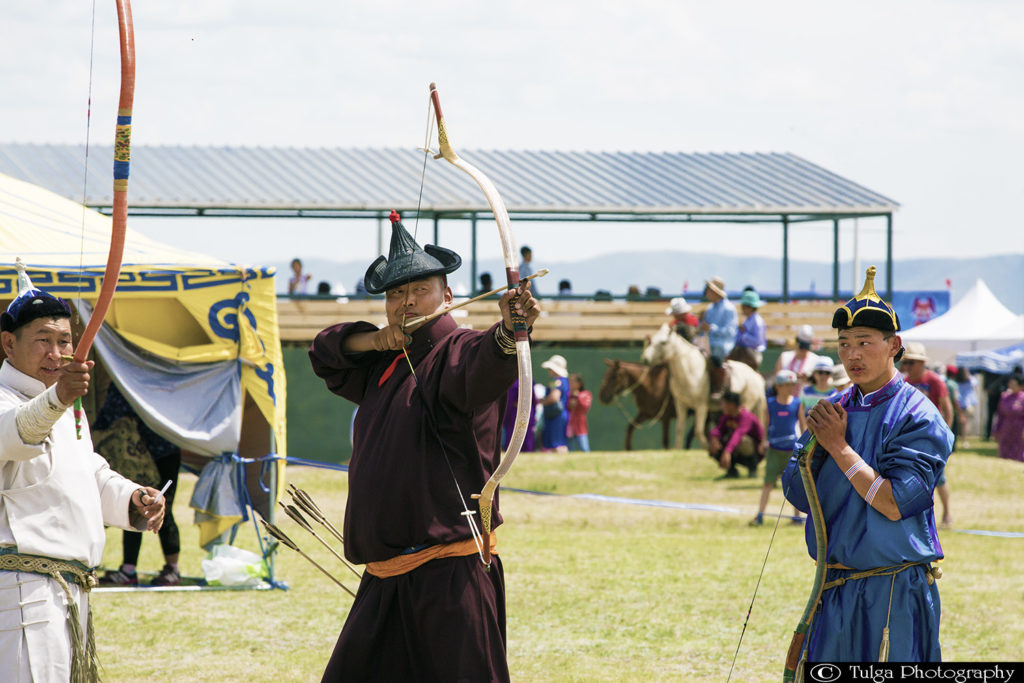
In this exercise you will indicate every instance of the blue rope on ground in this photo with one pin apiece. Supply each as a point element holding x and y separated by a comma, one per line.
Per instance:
<point>999,534</point>
<point>703,507</point>
<point>633,501</point>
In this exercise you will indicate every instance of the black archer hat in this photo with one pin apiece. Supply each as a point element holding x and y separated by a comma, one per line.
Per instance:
<point>407,262</point>
<point>867,309</point>
<point>31,304</point>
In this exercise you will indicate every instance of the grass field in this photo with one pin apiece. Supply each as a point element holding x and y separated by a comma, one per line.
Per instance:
<point>597,591</point>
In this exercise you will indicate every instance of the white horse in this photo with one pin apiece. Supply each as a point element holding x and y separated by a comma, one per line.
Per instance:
<point>690,383</point>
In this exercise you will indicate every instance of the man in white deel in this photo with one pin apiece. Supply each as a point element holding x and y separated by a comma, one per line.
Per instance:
<point>56,495</point>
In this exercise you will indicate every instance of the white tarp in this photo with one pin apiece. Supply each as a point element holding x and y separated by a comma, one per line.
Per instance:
<point>979,321</point>
<point>193,405</point>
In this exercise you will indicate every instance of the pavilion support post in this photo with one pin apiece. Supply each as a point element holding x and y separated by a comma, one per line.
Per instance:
<point>437,229</point>
<point>835,259</point>
<point>888,256</point>
<point>785,258</point>
<point>472,262</point>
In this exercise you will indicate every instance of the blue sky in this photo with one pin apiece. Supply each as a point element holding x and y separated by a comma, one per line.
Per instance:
<point>919,100</point>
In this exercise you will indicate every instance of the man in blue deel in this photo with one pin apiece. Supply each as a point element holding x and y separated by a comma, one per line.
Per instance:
<point>882,447</point>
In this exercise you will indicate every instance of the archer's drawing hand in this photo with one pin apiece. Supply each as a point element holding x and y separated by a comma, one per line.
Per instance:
<point>390,338</point>
<point>526,306</point>
<point>827,422</point>
<point>144,502</point>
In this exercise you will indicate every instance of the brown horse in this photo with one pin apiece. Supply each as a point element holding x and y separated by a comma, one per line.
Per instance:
<point>649,387</point>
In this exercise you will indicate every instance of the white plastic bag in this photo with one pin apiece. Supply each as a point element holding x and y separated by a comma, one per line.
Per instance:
<point>227,565</point>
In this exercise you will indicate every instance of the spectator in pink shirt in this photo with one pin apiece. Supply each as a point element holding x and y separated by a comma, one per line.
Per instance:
<point>737,439</point>
<point>579,405</point>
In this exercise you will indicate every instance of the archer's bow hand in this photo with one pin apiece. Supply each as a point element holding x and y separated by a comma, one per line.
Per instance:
<point>520,302</point>
<point>827,422</point>
<point>73,381</point>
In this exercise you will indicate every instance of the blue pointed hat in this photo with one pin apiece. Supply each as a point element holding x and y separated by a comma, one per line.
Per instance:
<point>407,262</point>
<point>31,304</point>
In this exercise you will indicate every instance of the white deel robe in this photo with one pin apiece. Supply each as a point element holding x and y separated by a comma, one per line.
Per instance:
<point>55,499</point>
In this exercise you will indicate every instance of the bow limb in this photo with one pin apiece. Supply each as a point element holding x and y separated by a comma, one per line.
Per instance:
<point>119,221</point>
<point>524,404</point>
<point>796,657</point>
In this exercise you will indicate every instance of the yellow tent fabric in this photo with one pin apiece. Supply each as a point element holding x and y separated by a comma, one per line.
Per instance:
<point>177,304</point>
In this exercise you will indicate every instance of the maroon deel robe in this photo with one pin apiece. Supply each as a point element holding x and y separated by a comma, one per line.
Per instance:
<point>444,621</point>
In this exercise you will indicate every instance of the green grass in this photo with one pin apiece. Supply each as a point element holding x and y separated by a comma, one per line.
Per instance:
<point>597,591</point>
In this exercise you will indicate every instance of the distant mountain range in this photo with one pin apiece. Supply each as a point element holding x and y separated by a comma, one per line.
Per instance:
<point>671,271</point>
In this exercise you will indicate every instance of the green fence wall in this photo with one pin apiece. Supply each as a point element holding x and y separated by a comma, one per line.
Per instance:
<point>319,421</point>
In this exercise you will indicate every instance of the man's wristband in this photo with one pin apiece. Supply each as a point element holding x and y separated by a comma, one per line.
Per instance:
<point>506,340</point>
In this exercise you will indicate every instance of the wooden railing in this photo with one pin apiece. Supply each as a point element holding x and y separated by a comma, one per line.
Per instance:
<point>561,320</point>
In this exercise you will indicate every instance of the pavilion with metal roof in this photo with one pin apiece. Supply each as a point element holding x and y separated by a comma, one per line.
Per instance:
<point>664,187</point>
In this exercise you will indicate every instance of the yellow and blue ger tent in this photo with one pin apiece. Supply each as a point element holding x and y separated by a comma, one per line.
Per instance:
<point>192,341</point>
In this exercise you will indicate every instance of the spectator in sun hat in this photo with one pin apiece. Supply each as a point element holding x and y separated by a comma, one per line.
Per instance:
<point>801,359</point>
<point>840,380</point>
<point>750,338</point>
<point>684,322</point>
<point>821,384</point>
<point>428,426</point>
<point>879,455</point>
<point>914,365</point>
<point>556,405</point>
<point>720,323</point>
<point>785,423</point>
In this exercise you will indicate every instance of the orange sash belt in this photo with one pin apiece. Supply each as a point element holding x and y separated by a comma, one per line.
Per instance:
<point>403,564</point>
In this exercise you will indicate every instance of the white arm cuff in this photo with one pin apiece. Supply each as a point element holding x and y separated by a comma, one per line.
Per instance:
<point>36,418</point>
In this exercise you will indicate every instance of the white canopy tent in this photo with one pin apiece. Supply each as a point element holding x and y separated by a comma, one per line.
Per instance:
<point>977,322</point>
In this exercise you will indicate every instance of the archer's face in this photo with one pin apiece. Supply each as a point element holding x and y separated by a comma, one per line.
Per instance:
<point>421,297</point>
<point>867,354</point>
<point>36,348</point>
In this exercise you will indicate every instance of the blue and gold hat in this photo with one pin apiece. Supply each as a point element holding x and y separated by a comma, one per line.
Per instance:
<point>407,262</point>
<point>31,304</point>
<point>867,309</point>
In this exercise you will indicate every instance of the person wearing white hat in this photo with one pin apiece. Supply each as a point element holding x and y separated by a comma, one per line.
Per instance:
<point>821,384</point>
<point>555,406</point>
<point>840,380</point>
<point>720,323</point>
<point>684,322</point>
<point>800,360</point>
<point>917,374</point>
<point>785,423</point>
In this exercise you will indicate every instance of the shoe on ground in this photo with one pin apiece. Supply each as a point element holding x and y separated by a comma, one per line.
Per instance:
<point>119,577</point>
<point>168,576</point>
<point>756,521</point>
<point>797,519</point>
